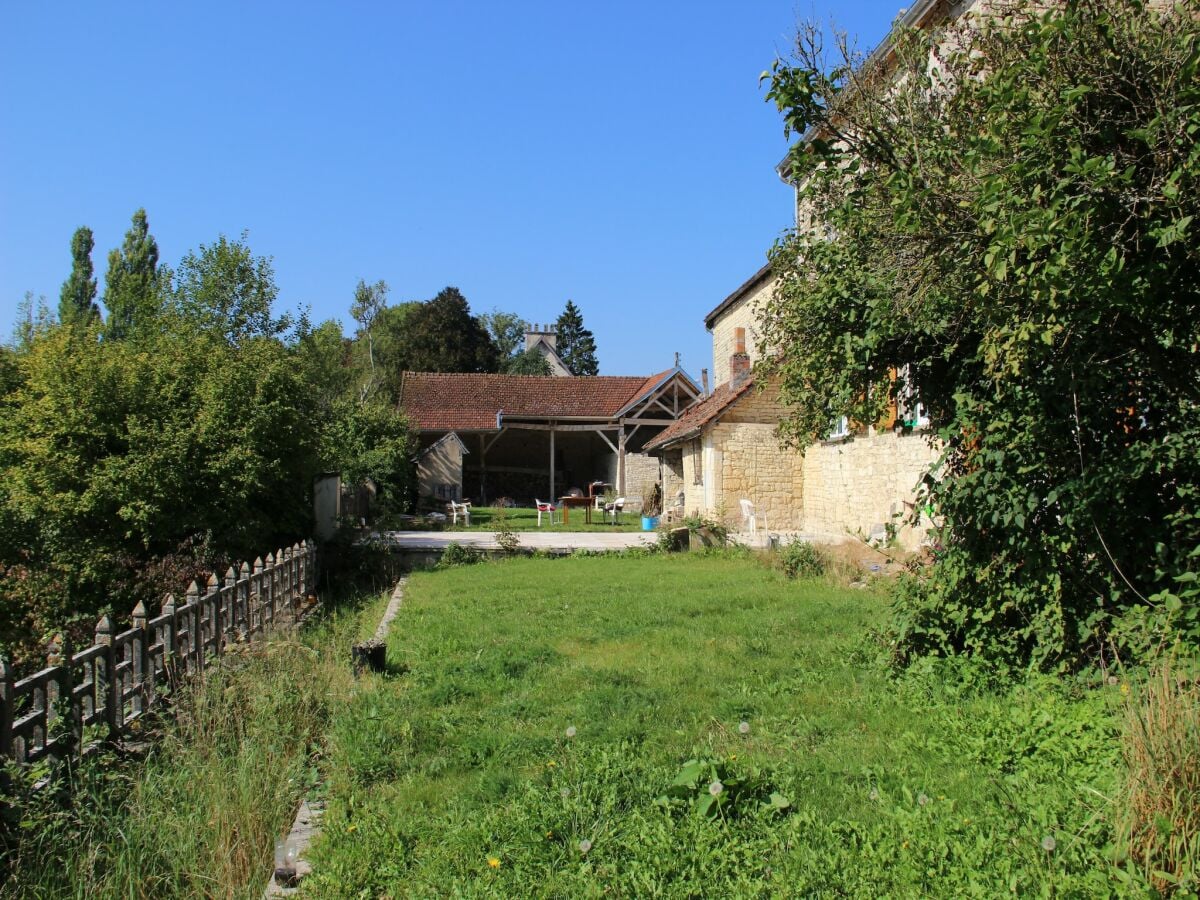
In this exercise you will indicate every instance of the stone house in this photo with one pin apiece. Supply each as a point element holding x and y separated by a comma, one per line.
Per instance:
<point>860,480</point>
<point>529,437</point>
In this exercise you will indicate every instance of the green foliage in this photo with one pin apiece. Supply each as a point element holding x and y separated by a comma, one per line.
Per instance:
<point>442,336</point>
<point>800,559</point>
<point>507,330</point>
<point>1009,229</point>
<point>113,453</point>
<point>371,440</point>
<point>528,362</point>
<point>34,318</point>
<point>707,526</point>
<point>131,284</point>
<point>77,302</point>
<point>576,345</point>
<point>225,289</point>
<point>456,554</point>
<point>370,300</point>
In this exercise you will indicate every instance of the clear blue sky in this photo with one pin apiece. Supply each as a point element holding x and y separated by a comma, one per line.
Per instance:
<point>618,154</point>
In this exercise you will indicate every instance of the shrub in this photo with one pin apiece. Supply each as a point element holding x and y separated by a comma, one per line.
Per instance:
<point>800,559</point>
<point>456,554</point>
<point>1007,236</point>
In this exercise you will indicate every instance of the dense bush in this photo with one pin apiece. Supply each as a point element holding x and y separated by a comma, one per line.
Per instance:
<point>114,453</point>
<point>800,559</point>
<point>1007,236</point>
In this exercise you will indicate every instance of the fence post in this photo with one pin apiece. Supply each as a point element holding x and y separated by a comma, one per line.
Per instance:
<point>230,593</point>
<point>111,687</point>
<point>212,600</point>
<point>257,594</point>
<point>280,582</point>
<point>169,637</point>
<point>195,629</point>
<point>6,709</point>
<point>269,587</point>
<point>143,666</point>
<point>244,598</point>
<point>297,591</point>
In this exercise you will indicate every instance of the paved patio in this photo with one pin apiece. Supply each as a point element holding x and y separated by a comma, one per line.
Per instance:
<point>557,541</point>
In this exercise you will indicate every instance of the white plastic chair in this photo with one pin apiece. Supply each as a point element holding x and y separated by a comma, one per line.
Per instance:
<point>460,509</point>
<point>614,509</point>
<point>749,518</point>
<point>544,507</point>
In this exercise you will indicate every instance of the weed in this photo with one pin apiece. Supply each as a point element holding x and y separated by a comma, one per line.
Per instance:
<point>456,554</point>
<point>800,559</point>
<point>1160,824</point>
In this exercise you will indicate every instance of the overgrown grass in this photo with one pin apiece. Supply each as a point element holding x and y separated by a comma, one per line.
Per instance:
<point>1161,821</point>
<point>459,778</point>
<point>198,816</point>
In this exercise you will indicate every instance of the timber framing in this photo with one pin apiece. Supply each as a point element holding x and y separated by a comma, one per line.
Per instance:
<point>623,413</point>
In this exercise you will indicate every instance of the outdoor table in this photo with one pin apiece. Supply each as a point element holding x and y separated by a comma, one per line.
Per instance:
<point>586,502</point>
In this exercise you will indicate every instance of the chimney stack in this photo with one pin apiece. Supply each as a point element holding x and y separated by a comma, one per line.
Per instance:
<point>739,362</point>
<point>547,333</point>
<point>704,382</point>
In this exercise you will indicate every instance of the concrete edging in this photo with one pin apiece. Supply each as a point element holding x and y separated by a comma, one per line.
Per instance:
<point>307,824</point>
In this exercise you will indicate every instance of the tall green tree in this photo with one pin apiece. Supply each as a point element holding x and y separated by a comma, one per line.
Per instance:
<point>369,301</point>
<point>223,287</point>
<point>508,333</point>
<point>131,285</point>
<point>77,301</point>
<point>442,336</point>
<point>1013,226</point>
<point>576,345</point>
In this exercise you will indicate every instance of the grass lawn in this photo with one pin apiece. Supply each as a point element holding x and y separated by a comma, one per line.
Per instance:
<point>484,518</point>
<point>456,775</point>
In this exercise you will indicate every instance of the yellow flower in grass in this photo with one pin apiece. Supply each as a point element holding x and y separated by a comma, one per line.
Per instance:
<point>493,862</point>
<point>551,764</point>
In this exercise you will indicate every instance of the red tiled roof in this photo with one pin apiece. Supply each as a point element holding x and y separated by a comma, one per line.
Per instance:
<point>471,402</point>
<point>696,417</point>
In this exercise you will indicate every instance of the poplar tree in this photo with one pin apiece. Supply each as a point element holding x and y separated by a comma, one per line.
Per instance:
<point>77,302</point>
<point>576,345</point>
<point>131,283</point>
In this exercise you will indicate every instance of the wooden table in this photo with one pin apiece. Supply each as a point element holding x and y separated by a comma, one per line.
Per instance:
<point>586,502</point>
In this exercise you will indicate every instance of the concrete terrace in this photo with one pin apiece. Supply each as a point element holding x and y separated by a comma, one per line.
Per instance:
<point>551,541</point>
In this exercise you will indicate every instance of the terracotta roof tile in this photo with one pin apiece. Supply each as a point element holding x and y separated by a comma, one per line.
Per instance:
<point>470,402</point>
<point>696,417</point>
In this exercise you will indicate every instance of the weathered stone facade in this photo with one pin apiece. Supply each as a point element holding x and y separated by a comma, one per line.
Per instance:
<point>440,471</point>
<point>864,484</point>
<point>741,315</point>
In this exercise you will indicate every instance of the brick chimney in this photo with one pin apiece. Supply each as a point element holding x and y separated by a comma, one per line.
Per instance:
<point>739,362</point>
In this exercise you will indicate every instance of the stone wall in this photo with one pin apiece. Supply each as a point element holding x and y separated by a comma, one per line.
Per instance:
<point>835,490</point>
<point>864,484</point>
<point>741,315</point>
<point>693,478</point>
<point>672,477</point>
<point>440,472</point>
<point>641,474</point>
<point>754,467</point>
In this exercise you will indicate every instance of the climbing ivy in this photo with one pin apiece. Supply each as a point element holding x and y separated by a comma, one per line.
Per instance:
<point>1003,211</point>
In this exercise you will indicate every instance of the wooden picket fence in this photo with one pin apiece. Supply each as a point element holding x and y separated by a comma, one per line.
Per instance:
<point>98,693</point>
